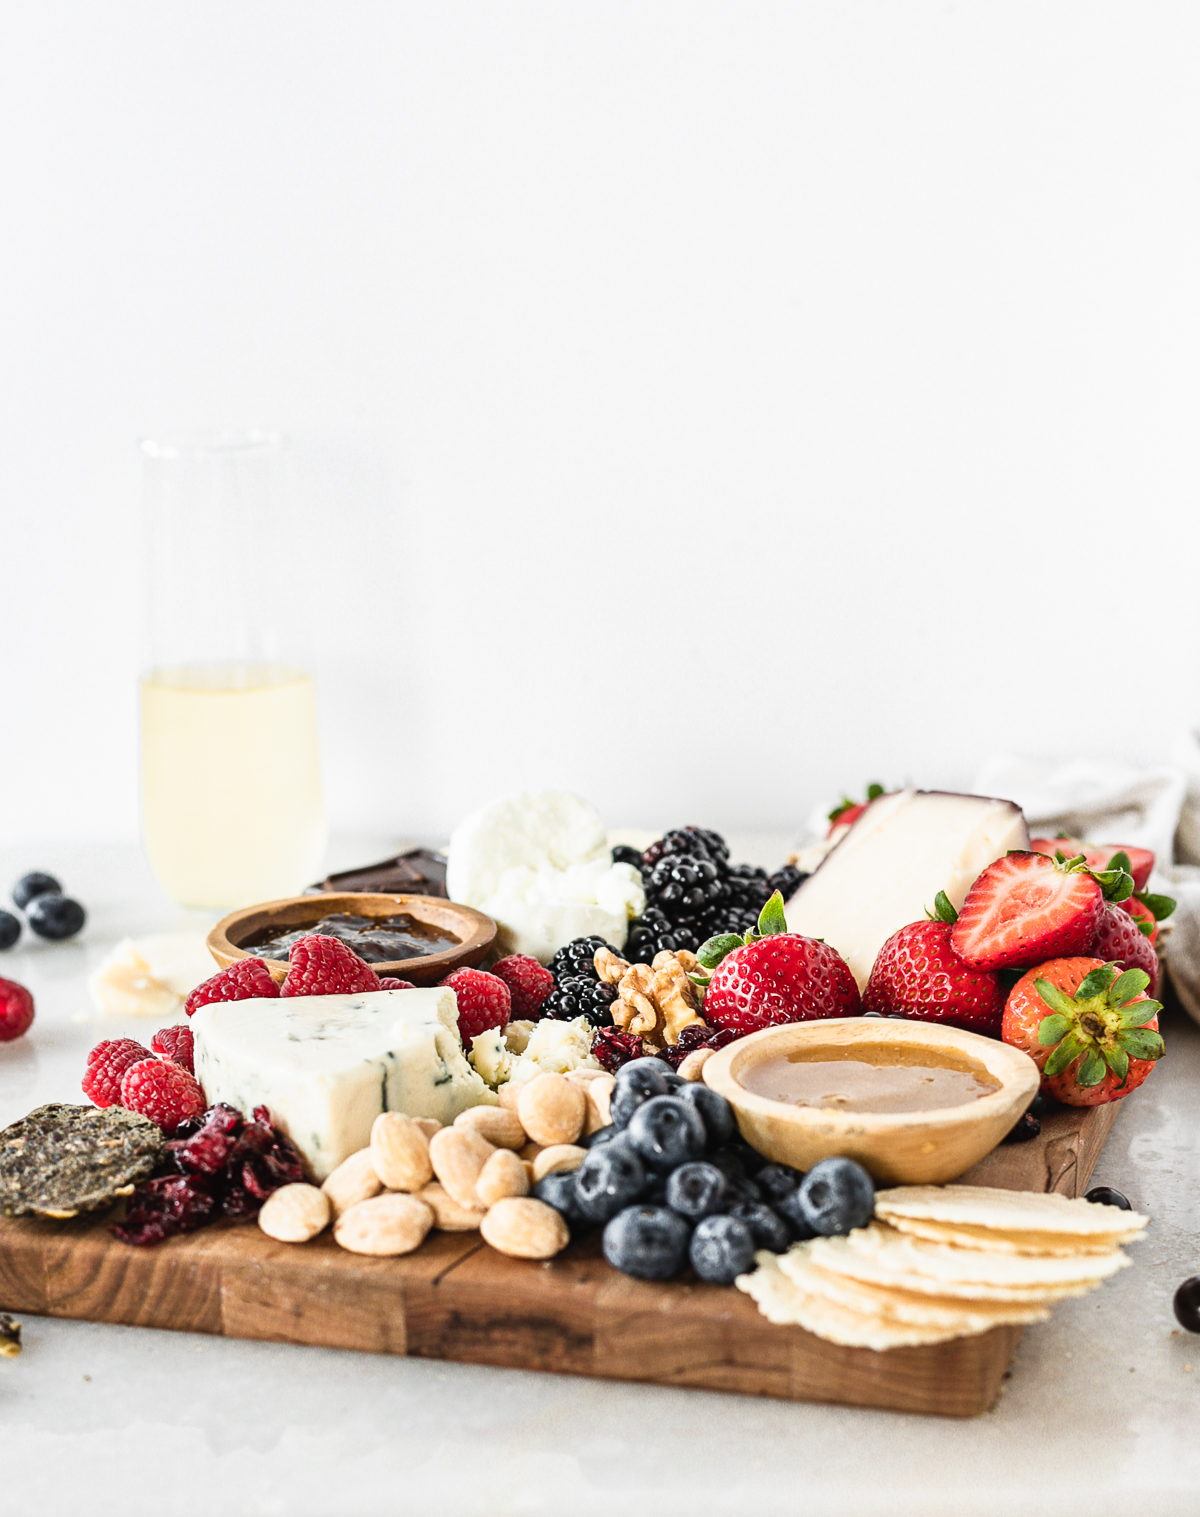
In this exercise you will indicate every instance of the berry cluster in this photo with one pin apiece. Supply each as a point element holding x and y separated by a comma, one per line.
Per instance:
<point>49,912</point>
<point>222,1165</point>
<point>671,1183</point>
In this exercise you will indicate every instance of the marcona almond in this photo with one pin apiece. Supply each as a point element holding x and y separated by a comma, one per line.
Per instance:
<point>585,1077</point>
<point>691,1067</point>
<point>458,1154</point>
<point>529,1151</point>
<point>448,1215</point>
<point>428,1125</point>
<point>400,1152</point>
<point>503,1175</point>
<point>392,1224</point>
<point>508,1095</point>
<point>551,1110</point>
<point>525,1228</point>
<point>557,1159</point>
<point>599,1098</point>
<point>295,1213</point>
<point>501,1128</point>
<point>354,1180</point>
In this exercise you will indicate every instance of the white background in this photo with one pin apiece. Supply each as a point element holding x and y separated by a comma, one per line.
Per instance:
<point>701,406</point>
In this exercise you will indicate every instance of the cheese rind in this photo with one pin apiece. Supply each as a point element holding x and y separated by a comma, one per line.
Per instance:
<point>326,1066</point>
<point>889,867</point>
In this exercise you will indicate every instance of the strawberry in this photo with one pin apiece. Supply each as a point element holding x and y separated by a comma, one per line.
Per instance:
<point>847,812</point>
<point>529,983</point>
<point>772,976</point>
<point>483,1000</point>
<point>1119,940</point>
<point>1147,922</point>
<point>244,980</point>
<point>1090,1029</point>
<point>917,974</point>
<point>321,966</point>
<point>1026,908</point>
<point>1138,861</point>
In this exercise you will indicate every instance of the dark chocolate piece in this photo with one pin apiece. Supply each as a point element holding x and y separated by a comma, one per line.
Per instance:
<point>420,871</point>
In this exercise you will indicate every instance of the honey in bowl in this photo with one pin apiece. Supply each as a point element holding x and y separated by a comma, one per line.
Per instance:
<point>877,1078</point>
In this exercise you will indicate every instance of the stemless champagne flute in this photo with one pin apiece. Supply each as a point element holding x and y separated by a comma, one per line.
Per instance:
<point>231,785</point>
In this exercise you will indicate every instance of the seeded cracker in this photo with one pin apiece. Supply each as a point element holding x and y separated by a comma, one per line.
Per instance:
<point>62,1160</point>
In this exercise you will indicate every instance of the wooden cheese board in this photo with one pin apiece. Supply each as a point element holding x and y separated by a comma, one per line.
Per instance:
<point>457,1299</point>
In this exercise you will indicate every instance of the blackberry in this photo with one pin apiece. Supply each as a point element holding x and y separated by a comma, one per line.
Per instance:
<point>653,932</point>
<point>684,887</point>
<point>748,887</point>
<point>787,880</point>
<point>578,996</point>
<point>693,841</point>
<point>623,855</point>
<point>577,958</point>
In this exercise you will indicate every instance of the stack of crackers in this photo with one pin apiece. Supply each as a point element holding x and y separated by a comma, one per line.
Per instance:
<point>942,1262</point>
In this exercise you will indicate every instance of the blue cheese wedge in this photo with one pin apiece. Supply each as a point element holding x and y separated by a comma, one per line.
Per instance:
<point>326,1066</point>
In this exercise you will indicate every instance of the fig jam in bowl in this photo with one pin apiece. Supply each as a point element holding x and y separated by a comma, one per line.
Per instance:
<point>917,1103</point>
<point>419,938</point>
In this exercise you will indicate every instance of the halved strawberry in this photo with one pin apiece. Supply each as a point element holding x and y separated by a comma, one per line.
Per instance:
<point>1026,908</point>
<point>1091,1030</point>
<point>917,974</point>
<point>1099,856</point>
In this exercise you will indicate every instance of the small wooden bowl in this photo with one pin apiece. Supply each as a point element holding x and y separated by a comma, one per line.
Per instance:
<point>475,932</point>
<point>902,1148</point>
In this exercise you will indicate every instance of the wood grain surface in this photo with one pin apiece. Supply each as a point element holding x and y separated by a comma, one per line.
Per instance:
<point>457,1299</point>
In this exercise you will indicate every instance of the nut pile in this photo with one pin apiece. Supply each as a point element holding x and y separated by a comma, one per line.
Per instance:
<point>417,1176</point>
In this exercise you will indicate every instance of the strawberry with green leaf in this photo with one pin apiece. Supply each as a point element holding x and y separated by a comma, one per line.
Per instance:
<point>917,974</point>
<point>1091,1029</point>
<point>847,812</point>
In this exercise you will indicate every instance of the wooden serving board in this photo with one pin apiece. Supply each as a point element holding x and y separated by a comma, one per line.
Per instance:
<point>455,1298</point>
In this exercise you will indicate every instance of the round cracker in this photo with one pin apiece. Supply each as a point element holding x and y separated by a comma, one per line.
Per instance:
<point>963,1236</point>
<point>1009,1211</point>
<point>905,1306</point>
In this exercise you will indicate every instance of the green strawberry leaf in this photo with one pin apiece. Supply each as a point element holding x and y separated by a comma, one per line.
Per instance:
<point>711,953</point>
<point>1097,983</point>
<point>1053,1029</point>
<point>1128,985</point>
<point>772,919</point>
<point>1144,927</point>
<point>943,911</point>
<point>1159,906</point>
<point>701,981</point>
<point>875,790</point>
<point>843,805</point>
<point>1118,1061</point>
<point>1065,1055</point>
<point>1066,835</point>
<point>1092,1070</point>
<point>1116,884</point>
<point>1120,860</point>
<point>1056,999</point>
<point>1142,1043</point>
<point>1138,1013</point>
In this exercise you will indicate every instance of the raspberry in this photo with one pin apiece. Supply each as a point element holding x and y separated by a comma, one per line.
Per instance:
<point>16,1010</point>
<point>176,1044</point>
<point>106,1066</point>
<point>321,966</point>
<point>242,981</point>
<point>483,1002</point>
<point>528,983</point>
<point>389,982</point>
<point>160,1090</point>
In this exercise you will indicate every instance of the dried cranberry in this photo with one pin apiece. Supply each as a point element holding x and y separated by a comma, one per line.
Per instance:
<point>614,1048</point>
<point>171,1204</point>
<point>208,1150</point>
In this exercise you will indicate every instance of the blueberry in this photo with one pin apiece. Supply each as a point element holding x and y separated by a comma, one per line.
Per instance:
<point>609,1178</point>
<point>637,1082</point>
<point>31,885</point>
<point>836,1196</point>
<point>697,1190</point>
<point>55,916</point>
<point>1037,1107</point>
<point>648,1242</point>
<point>558,1191</point>
<point>666,1131</point>
<point>768,1229</point>
<point>1187,1304</point>
<point>599,1138</point>
<point>10,929</point>
<point>778,1180</point>
<point>1023,1129</point>
<point>1105,1195</point>
<point>751,1160</point>
<point>788,1207</point>
<point>722,1248</point>
<point>715,1111</point>
<point>878,1014</point>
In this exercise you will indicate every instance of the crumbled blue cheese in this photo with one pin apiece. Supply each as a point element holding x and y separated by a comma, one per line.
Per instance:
<point>326,1066</point>
<point>490,1056</point>
<point>554,1048</point>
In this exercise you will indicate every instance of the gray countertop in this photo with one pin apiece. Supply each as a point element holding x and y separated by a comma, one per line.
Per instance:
<point>1100,1415</point>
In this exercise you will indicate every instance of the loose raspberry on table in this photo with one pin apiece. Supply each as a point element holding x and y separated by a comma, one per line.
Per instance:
<point>244,980</point>
<point>321,966</point>
<point>106,1066</point>
<point>160,1090</point>
<point>483,1002</point>
<point>16,1011</point>
<point>176,1044</point>
<point>389,982</point>
<point>529,983</point>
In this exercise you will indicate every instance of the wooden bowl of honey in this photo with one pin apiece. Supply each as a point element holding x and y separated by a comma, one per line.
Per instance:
<point>420,938</point>
<point>916,1103</point>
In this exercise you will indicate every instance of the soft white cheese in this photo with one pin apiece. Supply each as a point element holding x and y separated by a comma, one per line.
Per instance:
<point>554,1048</point>
<point>539,865</point>
<point>326,1066</point>
<point>892,862</point>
